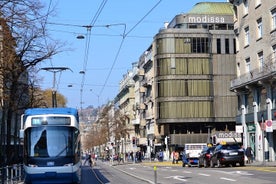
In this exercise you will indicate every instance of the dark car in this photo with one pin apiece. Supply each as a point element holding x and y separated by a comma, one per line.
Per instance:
<point>205,156</point>
<point>227,154</point>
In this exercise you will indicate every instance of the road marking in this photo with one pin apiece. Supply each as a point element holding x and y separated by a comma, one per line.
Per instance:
<point>244,173</point>
<point>202,174</point>
<point>132,168</point>
<point>180,178</point>
<point>228,179</point>
<point>187,172</point>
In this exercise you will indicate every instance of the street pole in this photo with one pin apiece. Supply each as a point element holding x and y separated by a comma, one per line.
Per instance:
<point>263,137</point>
<point>54,70</point>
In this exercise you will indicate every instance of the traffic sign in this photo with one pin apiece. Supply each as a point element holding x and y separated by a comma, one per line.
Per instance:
<point>268,126</point>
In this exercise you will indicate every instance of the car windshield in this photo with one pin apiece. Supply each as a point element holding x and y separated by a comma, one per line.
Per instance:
<point>231,147</point>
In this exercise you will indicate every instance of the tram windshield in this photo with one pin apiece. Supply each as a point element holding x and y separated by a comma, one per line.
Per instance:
<point>51,141</point>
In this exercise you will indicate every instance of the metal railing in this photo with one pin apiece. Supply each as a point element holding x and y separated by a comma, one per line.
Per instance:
<point>11,174</point>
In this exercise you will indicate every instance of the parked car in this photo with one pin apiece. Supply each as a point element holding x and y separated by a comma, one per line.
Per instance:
<point>205,156</point>
<point>227,154</point>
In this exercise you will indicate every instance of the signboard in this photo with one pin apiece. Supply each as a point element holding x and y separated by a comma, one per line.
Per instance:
<point>227,137</point>
<point>268,126</point>
<point>239,129</point>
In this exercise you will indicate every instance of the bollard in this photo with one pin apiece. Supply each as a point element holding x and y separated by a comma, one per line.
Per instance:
<point>155,174</point>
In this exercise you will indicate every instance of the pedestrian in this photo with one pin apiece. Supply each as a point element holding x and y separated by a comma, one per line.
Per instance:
<point>87,158</point>
<point>132,156</point>
<point>93,159</point>
<point>184,159</point>
<point>176,157</point>
<point>152,156</point>
<point>249,154</point>
<point>173,157</point>
<point>161,156</point>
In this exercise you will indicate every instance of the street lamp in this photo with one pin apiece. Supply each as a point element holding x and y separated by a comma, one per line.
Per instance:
<point>54,70</point>
<point>209,133</point>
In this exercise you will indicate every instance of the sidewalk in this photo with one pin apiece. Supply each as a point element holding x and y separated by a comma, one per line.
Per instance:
<point>262,164</point>
<point>169,164</point>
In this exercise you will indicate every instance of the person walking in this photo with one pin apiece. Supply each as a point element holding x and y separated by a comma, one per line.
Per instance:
<point>249,155</point>
<point>176,157</point>
<point>173,157</point>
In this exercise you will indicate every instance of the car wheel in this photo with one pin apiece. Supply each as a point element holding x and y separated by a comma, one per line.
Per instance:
<point>205,163</point>
<point>242,163</point>
<point>218,163</point>
<point>198,165</point>
<point>212,164</point>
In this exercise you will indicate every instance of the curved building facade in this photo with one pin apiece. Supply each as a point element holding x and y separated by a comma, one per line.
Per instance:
<point>194,62</point>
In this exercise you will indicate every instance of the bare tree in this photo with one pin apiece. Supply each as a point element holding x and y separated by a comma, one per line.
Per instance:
<point>109,124</point>
<point>24,46</point>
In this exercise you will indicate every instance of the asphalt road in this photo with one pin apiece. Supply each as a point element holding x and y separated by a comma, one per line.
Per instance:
<point>176,174</point>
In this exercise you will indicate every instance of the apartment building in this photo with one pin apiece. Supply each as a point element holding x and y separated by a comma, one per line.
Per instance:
<point>180,90</point>
<point>125,100</point>
<point>255,29</point>
<point>194,62</point>
<point>144,106</point>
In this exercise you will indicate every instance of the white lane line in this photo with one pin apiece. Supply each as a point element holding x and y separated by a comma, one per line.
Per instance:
<point>228,179</point>
<point>187,172</point>
<point>202,174</point>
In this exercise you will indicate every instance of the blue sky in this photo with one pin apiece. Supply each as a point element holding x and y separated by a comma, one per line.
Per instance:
<point>108,57</point>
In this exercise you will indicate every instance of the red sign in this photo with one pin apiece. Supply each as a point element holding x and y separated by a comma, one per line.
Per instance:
<point>268,123</point>
<point>268,126</point>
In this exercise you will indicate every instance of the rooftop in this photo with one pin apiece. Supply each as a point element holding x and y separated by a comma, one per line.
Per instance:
<point>212,8</point>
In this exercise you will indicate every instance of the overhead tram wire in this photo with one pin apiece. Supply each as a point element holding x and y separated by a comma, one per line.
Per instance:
<point>52,66</point>
<point>121,44</point>
<point>87,45</point>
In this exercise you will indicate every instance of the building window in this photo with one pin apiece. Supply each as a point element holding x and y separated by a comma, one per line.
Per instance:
<point>247,65</point>
<point>245,8</point>
<point>259,28</point>
<point>238,69</point>
<point>273,14</point>
<point>246,36</point>
<point>200,45</point>
<point>234,45</point>
<point>273,53</point>
<point>261,60</point>
<point>227,46</point>
<point>218,46</point>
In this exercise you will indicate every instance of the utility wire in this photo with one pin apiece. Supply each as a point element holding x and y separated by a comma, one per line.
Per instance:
<point>86,54</point>
<point>143,17</point>
<point>121,44</point>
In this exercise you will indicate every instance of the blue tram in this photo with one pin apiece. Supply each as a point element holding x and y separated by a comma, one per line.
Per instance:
<point>51,147</point>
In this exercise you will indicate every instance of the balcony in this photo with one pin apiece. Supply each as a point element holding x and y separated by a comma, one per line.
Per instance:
<point>269,70</point>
